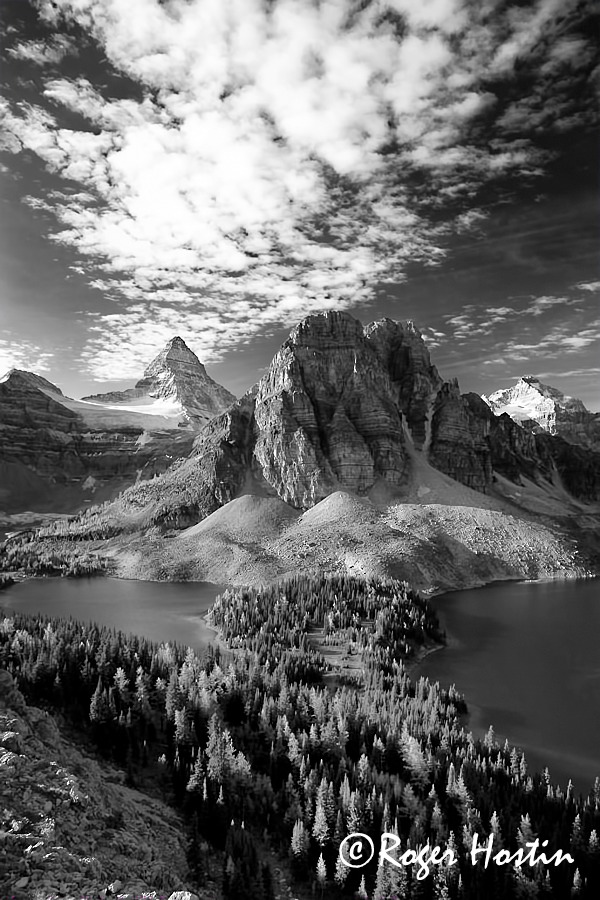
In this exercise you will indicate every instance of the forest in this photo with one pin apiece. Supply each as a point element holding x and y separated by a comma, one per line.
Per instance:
<point>29,554</point>
<point>267,741</point>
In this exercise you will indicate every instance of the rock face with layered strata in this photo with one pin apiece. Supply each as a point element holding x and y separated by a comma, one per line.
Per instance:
<point>415,381</point>
<point>326,416</point>
<point>459,444</point>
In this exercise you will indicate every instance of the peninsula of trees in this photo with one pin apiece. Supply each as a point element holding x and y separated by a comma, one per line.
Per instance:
<point>309,728</point>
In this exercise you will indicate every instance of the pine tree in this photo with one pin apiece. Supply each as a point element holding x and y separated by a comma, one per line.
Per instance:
<point>98,705</point>
<point>321,871</point>
<point>300,840</point>
<point>320,828</point>
<point>341,872</point>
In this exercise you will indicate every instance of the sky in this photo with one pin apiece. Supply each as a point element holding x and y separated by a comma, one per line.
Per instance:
<point>218,169</point>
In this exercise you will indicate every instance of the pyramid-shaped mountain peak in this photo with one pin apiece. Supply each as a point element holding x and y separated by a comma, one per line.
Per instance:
<point>175,356</point>
<point>176,377</point>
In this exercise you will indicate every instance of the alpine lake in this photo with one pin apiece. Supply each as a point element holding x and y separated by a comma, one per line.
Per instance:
<point>526,655</point>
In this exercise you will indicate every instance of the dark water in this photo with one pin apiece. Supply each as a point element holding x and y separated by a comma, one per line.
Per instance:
<point>161,612</point>
<point>527,657</point>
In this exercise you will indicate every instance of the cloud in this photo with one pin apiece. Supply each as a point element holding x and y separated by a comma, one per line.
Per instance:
<point>591,286</point>
<point>540,304</point>
<point>18,354</point>
<point>571,373</point>
<point>44,53</point>
<point>276,158</point>
<point>533,326</point>
<point>559,340</point>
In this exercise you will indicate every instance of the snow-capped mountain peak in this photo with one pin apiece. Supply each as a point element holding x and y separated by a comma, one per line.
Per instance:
<point>541,407</point>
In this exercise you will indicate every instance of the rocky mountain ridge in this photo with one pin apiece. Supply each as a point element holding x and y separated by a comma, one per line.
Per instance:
<point>57,453</point>
<point>360,413</point>
<point>344,407</point>
<point>541,408</point>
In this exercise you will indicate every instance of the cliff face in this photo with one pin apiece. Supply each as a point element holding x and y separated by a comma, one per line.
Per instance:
<point>415,381</point>
<point>325,414</point>
<point>57,453</point>
<point>541,408</point>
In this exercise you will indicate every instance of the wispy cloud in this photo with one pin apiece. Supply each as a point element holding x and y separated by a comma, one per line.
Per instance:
<point>571,373</point>
<point>558,340</point>
<point>44,53</point>
<point>281,157</point>
<point>531,326</point>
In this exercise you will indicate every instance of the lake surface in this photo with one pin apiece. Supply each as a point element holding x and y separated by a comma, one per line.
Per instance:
<point>162,612</point>
<point>527,658</point>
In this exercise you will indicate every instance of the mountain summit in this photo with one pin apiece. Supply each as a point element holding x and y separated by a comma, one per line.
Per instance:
<point>177,377</point>
<point>539,407</point>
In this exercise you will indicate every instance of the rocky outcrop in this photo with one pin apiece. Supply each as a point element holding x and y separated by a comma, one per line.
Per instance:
<point>541,408</point>
<point>69,826</point>
<point>459,444</point>
<point>176,375</point>
<point>26,401</point>
<point>577,467</point>
<point>323,418</point>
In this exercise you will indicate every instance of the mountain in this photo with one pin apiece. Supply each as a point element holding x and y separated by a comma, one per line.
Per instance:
<point>350,454</point>
<point>175,383</point>
<point>353,454</point>
<point>343,407</point>
<point>541,408</point>
<point>57,453</point>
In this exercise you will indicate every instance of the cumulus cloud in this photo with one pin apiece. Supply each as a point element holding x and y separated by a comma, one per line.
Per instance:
<point>278,158</point>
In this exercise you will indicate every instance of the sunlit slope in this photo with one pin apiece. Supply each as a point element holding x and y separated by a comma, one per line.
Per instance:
<point>425,538</point>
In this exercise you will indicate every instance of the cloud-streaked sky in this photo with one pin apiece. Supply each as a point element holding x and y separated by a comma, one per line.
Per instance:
<point>219,168</point>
